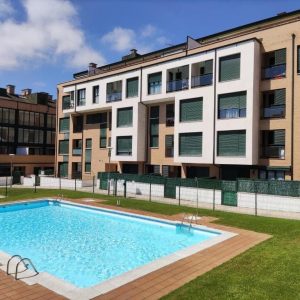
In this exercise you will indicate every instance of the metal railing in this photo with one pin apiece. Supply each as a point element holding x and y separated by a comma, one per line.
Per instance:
<point>277,111</point>
<point>67,104</point>
<point>114,97</point>
<point>202,80</point>
<point>77,151</point>
<point>154,89</point>
<point>177,85</point>
<point>231,113</point>
<point>277,71</point>
<point>273,152</point>
<point>80,102</point>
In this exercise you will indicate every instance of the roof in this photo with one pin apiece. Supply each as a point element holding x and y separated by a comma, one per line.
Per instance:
<point>201,39</point>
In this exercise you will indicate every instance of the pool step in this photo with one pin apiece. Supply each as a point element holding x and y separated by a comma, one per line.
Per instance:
<point>24,260</point>
<point>189,219</point>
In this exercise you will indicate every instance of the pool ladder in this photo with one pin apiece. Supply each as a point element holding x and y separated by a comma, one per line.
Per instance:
<point>190,219</point>
<point>22,260</point>
<point>59,197</point>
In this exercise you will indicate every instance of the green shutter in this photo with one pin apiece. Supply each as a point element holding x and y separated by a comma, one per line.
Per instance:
<point>280,56</point>
<point>279,97</point>
<point>190,144</point>
<point>229,68</point>
<point>233,100</point>
<point>279,137</point>
<point>132,87</point>
<point>103,131</point>
<point>191,109</point>
<point>169,141</point>
<point>88,143</point>
<point>87,167</point>
<point>124,145</point>
<point>124,118</point>
<point>64,147</point>
<point>154,78</point>
<point>64,124</point>
<point>232,143</point>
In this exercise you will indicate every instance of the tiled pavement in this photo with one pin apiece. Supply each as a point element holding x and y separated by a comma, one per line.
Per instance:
<point>157,283</point>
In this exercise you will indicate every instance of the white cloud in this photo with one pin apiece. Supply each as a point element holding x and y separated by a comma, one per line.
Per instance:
<point>48,33</point>
<point>6,8</point>
<point>144,40</point>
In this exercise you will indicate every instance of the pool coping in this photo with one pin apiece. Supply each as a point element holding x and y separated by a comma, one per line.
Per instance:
<point>72,292</point>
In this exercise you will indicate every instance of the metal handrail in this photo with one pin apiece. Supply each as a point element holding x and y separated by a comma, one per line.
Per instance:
<point>26,265</point>
<point>7,266</point>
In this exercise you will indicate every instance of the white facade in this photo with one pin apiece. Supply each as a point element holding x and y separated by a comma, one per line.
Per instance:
<point>209,125</point>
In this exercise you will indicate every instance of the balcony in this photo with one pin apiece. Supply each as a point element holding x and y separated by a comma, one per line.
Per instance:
<point>177,85</point>
<point>273,152</point>
<point>77,151</point>
<point>277,111</point>
<point>274,72</point>
<point>112,97</point>
<point>202,80</point>
<point>232,113</point>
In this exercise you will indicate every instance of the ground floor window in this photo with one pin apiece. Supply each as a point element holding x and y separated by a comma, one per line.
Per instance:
<point>272,174</point>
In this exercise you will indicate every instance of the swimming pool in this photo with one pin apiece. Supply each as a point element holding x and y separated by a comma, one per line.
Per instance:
<point>85,246</point>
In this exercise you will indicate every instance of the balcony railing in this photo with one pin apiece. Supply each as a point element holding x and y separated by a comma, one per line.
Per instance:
<point>177,85</point>
<point>232,113</point>
<point>277,111</point>
<point>67,104</point>
<point>80,102</point>
<point>274,72</point>
<point>154,89</point>
<point>124,152</point>
<point>114,97</point>
<point>77,151</point>
<point>273,152</point>
<point>202,80</point>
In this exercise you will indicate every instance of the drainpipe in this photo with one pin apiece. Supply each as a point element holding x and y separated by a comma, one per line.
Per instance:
<point>292,106</point>
<point>57,131</point>
<point>214,109</point>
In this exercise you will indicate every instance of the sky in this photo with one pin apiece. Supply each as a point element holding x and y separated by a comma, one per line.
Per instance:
<point>43,42</point>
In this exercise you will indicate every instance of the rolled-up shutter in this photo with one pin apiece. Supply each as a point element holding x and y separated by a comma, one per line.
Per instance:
<point>103,131</point>
<point>154,78</point>
<point>191,109</point>
<point>229,68</point>
<point>280,56</point>
<point>279,137</point>
<point>64,124</point>
<point>132,87</point>
<point>190,144</point>
<point>124,117</point>
<point>233,100</point>
<point>88,155</point>
<point>279,97</point>
<point>64,147</point>
<point>124,145</point>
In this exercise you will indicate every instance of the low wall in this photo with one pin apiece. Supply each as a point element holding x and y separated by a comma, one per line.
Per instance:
<point>53,182</point>
<point>5,181</point>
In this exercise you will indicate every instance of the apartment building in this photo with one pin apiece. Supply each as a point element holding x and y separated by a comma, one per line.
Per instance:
<point>27,132</point>
<point>225,106</point>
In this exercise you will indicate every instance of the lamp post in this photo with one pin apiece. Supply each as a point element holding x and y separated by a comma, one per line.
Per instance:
<point>108,177</point>
<point>11,168</point>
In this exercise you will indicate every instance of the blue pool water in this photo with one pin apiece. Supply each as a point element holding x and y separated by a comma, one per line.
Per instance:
<point>88,246</point>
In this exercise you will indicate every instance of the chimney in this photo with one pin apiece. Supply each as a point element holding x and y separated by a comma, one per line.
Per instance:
<point>10,89</point>
<point>133,54</point>
<point>26,92</point>
<point>92,68</point>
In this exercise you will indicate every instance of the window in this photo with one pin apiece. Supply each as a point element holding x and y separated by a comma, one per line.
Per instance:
<point>68,101</point>
<point>154,126</point>
<point>229,68</point>
<point>273,143</point>
<point>272,174</point>
<point>103,130</point>
<point>152,169</point>
<point>191,109</point>
<point>274,104</point>
<point>190,144</point>
<point>132,87</point>
<point>124,145</point>
<point>64,124</point>
<point>124,117</point>
<point>231,143</point>
<point>114,91</point>
<point>96,94</point>
<point>63,147</point>
<point>274,64</point>
<point>77,147</point>
<point>170,115</point>
<point>88,155</point>
<point>77,124</point>
<point>63,169</point>
<point>81,97</point>
<point>203,73</point>
<point>154,83</point>
<point>232,105</point>
<point>169,145</point>
<point>93,119</point>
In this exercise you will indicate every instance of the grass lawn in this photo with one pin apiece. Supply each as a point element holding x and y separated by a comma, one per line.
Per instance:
<point>270,270</point>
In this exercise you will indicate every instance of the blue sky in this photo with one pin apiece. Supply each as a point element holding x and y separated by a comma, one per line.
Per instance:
<point>43,42</point>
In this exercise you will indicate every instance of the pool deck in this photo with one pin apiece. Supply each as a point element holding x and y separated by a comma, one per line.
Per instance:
<point>157,283</point>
